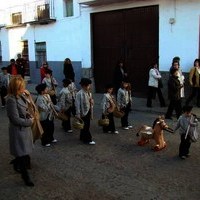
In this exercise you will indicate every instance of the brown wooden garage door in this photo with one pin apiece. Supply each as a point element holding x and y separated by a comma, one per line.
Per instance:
<point>131,35</point>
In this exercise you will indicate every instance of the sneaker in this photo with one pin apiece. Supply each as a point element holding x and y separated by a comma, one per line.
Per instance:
<point>109,132</point>
<point>116,132</point>
<point>183,157</point>
<point>47,145</point>
<point>126,128</point>
<point>69,131</point>
<point>54,141</point>
<point>130,126</point>
<point>3,106</point>
<point>92,143</point>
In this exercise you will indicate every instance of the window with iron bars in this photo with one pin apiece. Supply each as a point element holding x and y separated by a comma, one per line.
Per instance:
<point>16,18</point>
<point>40,53</point>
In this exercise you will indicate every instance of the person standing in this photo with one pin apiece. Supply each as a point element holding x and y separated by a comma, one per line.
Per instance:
<point>183,122</point>
<point>20,62</point>
<point>120,74</point>
<point>13,69</point>
<point>20,134</point>
<point>68,70</point>
<point>43,70</point>
<point>154,86</point>
<point>194,77</point>
<point>84,109</point>
<point>4,82</point>
<point>174,95</point>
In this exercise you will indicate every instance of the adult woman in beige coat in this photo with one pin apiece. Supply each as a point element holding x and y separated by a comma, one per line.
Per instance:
<point>194,82</point>
<point>20,121</point>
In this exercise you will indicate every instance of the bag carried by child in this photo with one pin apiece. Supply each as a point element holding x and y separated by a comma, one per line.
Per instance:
<point>192,129</point>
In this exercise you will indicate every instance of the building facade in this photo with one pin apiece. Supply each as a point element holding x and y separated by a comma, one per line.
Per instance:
<point>95,34</point>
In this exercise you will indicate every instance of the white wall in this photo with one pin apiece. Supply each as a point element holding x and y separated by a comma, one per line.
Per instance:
<point>71,37</point>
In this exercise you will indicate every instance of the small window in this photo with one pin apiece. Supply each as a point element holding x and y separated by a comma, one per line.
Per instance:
<point>40,53</point>
<point>0,53</point>
<point>16,18</point>
<point>68,8</point>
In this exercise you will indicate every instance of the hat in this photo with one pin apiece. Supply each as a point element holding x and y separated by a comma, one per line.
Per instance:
<point>187,108</point>
<point>85,81</point>
<point>41,87</point>
<point>66,81</point>
<point>4,68</point>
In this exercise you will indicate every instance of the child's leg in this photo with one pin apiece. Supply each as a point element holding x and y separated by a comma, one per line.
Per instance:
<point>124,119</point>
<point>184,146</point>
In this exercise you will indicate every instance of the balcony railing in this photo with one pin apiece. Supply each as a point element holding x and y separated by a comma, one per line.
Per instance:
<point>36,12</point>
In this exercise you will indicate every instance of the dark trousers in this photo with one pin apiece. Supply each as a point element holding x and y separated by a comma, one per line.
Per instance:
<point>53,99</point>
<point>174,105</point>
<point>111,126</point>
<point>195,92</point>
<point>3,95</point>
<point>184,145</point>
<point>48,127</point>
<point>124,119</point>
<point>66,124</point>
<point>152,91</point>
<point>85,134</point>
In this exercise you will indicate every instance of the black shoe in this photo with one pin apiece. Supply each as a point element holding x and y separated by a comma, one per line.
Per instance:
<point>27,180</point>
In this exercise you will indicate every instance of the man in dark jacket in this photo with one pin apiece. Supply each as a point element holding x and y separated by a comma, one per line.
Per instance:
<point>174,95</point>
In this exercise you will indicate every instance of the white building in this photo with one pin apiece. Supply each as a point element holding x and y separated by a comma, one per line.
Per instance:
<point>95,34</point>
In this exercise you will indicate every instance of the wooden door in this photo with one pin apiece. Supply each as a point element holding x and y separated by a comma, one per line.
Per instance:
<point>131,35</point>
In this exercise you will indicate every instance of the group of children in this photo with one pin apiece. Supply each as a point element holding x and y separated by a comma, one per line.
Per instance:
<point>80,104</point>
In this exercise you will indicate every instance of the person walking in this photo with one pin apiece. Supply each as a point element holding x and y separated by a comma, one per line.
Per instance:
<point>174,95</point>
<point>124,101</point>
<point>20,62</point>
<point>154,86</point>
<point>46,110</point>
<point>194,77</point>
<point>84,109</point>
<point>183,122</point>
<point>108,106</point>
<point>20,134</point>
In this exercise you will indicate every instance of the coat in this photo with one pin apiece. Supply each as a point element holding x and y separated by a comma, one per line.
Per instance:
<point>174,88</point>
<point>194,72</point>
<point>20,134</point>
<point>68,71</point>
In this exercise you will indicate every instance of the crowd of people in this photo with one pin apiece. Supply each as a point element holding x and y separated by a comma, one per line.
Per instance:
<point>79,104</point>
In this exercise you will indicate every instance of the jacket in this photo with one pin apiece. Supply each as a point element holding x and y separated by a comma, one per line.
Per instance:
<point>174,88</point>
<point>123,98</point>
<point>154,75</point>
<point>194,71</point>
<point>20,134</point>
<point>65,99</point>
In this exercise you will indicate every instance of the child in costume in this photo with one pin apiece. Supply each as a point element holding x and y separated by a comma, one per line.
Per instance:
<point>46,109</point>
<point>51,84</point>
<point>84,109</point>
<point>65,103</point>
<point>183,122</point>
<point>108,106</point>
<point>124,101</point>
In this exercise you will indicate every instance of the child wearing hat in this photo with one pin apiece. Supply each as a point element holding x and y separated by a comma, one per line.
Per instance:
<point>51,84</point>
<point>46,109</point>
<point>124,101</point>
<point>4,82</point>
<point>65,103</point>
<point>84,108</point>
<point>108,106</point>
<point>183,122</point>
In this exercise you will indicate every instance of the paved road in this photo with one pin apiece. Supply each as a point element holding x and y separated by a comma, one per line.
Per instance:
<point>114,169</point>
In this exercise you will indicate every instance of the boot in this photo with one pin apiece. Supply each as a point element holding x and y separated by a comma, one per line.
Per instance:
<point>24,172</point>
